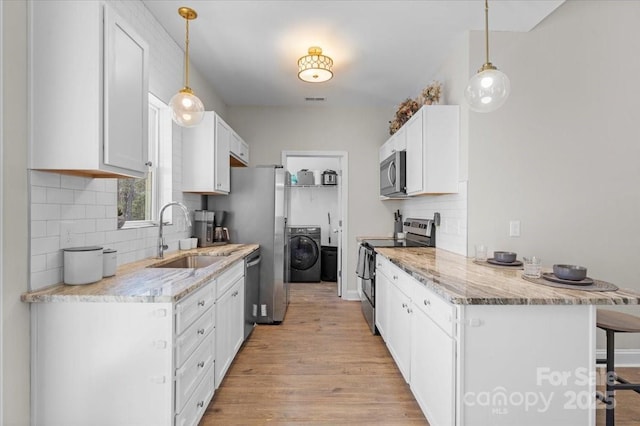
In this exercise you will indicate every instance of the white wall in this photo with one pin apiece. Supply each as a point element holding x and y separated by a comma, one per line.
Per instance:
<point>562,154</point>
<point>359,131</point>
<point>15,314</point>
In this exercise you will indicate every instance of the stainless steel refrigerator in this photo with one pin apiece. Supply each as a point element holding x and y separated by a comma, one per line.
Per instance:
<point>257,208</point>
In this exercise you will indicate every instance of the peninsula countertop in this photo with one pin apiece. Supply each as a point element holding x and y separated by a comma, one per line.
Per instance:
<point>138,282</point>
<point>461,281</point>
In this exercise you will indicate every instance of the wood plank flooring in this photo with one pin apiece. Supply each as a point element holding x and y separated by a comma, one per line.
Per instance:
<point>321,366</point>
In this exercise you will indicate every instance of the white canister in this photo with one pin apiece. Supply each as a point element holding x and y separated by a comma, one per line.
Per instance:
<point>82,265</point>
<point>317,177</point>
<point>109,262</point>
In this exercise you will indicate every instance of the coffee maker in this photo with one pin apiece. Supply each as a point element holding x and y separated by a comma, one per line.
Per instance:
<point>220,233</point>
<point>204,227</point>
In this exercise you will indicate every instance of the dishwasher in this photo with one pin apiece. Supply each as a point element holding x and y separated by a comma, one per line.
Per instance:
<point>251,291</point>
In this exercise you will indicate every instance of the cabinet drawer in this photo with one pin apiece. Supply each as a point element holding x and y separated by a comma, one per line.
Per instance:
<point>193,371</point>
<point>383,265</point>
<point>226,280</point>
<point>435,307</point>
<point>190,309</point>
<point>197,332</point>
<point>197,404</point>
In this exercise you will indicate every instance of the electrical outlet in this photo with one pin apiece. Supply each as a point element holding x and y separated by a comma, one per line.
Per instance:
<point>514,228</point>
<point>66,234</point>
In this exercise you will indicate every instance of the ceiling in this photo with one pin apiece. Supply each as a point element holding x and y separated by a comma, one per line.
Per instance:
<point>383,51</point>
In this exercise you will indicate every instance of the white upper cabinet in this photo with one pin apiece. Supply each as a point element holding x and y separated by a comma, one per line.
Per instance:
<point>397,142</point>
<point>239,151</point>
<point>432,137</point>
<point>205,156</point>
<point>89,90</point>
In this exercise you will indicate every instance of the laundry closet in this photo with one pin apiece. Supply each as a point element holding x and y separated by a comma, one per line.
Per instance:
<point>314,218</point>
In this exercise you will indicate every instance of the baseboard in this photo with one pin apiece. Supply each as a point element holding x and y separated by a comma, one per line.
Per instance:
<point>623,357</point>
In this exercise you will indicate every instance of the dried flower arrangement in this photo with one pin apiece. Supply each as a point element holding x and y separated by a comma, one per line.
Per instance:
<point>430,95</point>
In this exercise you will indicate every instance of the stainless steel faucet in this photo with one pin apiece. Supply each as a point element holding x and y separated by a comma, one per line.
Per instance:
<point>161,245</point>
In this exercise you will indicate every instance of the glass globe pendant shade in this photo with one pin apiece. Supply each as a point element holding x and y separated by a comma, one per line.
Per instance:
<point>186,108</point>
<point>487,90</point>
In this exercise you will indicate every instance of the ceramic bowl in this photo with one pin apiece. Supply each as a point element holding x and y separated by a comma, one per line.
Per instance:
<point>570,272</point>
<point>504,256</point>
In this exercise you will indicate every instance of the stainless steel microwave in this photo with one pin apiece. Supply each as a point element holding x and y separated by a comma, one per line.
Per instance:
<point>393,175</point>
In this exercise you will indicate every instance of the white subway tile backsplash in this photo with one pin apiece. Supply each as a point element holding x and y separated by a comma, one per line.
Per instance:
<point>38,195</point>
<point>106,199</point>
<point>53,228</point>
<point>59,196</point>
<point>38,228</point>
<point>73,211</point>
<point>84,197</point>
<point>45,179</point>
<point>107,224</point>
<point>45,278</point>
<point>55,260</point>
<point>45,211</point>
<point>39,263</point>
<point>94,239</point>
<point>44,245</point>
<point>74,182</point>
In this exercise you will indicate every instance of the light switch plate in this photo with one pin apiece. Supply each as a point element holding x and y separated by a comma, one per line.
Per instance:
<point>514,228</point>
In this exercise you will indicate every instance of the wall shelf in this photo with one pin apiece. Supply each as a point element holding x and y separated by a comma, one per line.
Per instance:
<point>312,186</point>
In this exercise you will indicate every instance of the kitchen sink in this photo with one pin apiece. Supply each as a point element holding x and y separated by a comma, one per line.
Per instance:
<point>192,261</point>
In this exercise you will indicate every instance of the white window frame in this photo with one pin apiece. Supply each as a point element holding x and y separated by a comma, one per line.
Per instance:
<point>160,163</point>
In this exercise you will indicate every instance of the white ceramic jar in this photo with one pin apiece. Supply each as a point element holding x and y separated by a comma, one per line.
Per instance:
<point>82,265</point>
<point>109,262</point>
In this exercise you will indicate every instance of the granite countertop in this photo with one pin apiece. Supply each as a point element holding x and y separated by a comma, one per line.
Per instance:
<point>461,281</point>
<point>137,282</point>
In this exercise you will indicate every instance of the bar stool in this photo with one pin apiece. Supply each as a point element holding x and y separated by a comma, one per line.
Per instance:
<point>614,322</point>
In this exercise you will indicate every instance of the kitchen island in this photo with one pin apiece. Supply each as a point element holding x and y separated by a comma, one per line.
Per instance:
<point>479,345</point>
<point>147,346</point>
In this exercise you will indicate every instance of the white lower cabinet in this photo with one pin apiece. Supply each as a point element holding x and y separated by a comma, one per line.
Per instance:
<point>117,363</point>
<point>399,336</point>
<point>432,368</point>
<point>492,364</point>
<point>382,297</point>
<point>229,320</point>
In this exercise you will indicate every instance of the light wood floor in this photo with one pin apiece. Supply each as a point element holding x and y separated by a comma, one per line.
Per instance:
<point>321,366</point>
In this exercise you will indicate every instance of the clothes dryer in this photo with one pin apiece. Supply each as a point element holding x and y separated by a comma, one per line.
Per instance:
<point>304,253</point>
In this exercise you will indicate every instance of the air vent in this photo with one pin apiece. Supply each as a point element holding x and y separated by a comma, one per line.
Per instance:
<point>319,99</point>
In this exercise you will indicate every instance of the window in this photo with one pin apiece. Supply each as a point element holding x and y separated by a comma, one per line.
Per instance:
<point>140,199</point>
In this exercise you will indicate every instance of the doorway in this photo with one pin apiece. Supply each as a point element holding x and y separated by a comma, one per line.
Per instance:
<point>313,203</point>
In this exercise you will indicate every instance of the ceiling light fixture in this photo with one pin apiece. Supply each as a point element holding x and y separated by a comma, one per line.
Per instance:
<point>489,88</point>
<point>315,67</point>
<point>187,109</point>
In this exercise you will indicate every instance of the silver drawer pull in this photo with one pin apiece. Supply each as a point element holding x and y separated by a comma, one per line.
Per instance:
<point>427,302</point>
<point>395,277</point>
<point>201,303</point>
<point>409,310</point>
<point>201,331</point>
<point>200,404</point>
<point>201,364</point>
<point>404,305</point>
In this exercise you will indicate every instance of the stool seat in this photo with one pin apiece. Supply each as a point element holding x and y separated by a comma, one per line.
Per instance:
<point>614,322</point>
<point>617,321</point>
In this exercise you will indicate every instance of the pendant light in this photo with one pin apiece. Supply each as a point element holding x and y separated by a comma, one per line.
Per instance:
<point>187,110</point>
<point>489,88</point>
<point>315,67</point>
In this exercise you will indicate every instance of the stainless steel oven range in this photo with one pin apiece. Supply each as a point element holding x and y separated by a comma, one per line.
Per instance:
<point>418,233</point>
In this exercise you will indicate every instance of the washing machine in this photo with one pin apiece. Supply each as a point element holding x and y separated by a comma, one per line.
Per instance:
<point>304,253</point>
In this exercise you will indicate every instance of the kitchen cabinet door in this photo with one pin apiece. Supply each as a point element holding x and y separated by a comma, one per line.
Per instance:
<point>239,151</point>
<point>89,93</point>
<point>205,156</point>
<point>432,369</point>
<point>382,300</point>
<point>221,169</point>
<point>229,327</point>
<point>432,137</point>
<point>399,328</point>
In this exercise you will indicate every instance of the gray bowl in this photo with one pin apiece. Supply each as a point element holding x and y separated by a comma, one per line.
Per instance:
<point>504,256</point>
<point>570,272</point>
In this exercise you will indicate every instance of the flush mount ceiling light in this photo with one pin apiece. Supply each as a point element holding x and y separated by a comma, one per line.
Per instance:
<point>489,88</point>
<point>186,108</point>
<point>315,67</point>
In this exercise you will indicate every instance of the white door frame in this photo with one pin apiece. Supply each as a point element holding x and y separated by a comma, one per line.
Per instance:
<point>343,249</point>
<point>1,212</point>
